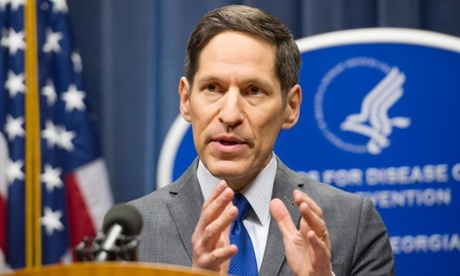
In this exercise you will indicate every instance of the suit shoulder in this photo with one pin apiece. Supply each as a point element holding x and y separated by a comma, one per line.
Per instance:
<point>158,199</point>
<point>153,200</point>
<point>318,191</point>
<point>325,193</point>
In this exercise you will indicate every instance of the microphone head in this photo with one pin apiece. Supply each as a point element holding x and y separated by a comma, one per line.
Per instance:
<point>126,216</point>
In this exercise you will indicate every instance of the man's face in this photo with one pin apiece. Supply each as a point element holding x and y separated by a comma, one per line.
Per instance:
<point>236,107</point>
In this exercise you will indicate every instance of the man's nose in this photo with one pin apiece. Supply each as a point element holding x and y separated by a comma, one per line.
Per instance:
<point>230,111</point>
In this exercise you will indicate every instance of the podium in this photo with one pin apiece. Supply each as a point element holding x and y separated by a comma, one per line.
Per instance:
<point>111,269</point>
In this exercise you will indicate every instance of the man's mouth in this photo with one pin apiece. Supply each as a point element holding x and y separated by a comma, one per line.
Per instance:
<point>228,143</point>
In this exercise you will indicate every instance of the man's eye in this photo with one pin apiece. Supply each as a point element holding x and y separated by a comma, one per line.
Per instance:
<point>255,90</point>
<point>211,87</point>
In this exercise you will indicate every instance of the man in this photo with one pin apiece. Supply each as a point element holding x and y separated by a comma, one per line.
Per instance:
<point>240,90</point>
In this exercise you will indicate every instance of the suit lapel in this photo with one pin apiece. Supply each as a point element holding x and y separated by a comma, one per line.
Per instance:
<point>185,206</point>
<point>285,183</point>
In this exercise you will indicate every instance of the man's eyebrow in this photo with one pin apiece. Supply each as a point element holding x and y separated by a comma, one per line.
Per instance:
<point>255,80</point>
<point>206,79</point>
<point>249,80</point>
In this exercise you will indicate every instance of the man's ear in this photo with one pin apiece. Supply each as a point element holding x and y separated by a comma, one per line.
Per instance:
<point>184,94</point>
<point>293,102</point>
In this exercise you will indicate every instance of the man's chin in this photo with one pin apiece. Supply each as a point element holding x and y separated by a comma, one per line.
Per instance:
<point>237,174</point>
<point>226,168</point>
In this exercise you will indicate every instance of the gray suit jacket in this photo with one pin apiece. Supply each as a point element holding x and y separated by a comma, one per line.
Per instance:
<point>359,238</point>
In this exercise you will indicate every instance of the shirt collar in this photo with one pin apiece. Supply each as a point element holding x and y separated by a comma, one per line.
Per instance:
<point>258,192</point>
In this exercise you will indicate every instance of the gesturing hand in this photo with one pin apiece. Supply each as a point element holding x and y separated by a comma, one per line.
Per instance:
<point>308,249</point>
<point>211,244</point>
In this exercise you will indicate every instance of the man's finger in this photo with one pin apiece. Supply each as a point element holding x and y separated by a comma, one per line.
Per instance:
<point>217,191</point>
<point>214,230</point>
<point>214,205</point>
<point>282,217</point>
<point>300,197</point>
<point>215,259</point>
<point>320,248</point>
<point>311,220</point>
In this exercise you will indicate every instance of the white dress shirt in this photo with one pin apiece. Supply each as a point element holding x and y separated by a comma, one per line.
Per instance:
<point>258,193</point>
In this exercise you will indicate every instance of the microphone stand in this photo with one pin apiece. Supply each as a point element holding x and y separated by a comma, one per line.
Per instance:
<point>90,249</point>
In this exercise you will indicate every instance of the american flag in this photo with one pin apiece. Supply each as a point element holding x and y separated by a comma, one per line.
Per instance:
<point>75,193</point>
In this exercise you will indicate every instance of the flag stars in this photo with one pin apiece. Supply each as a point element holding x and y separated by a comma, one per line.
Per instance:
<point>13,127</point>
<point>58,135</point>
<point>73,98</point>
<point>49,92</point>
<point>51,221</point>
<point>52,41</point>
<point>51,178</point>
<point>65,138</point>
<point>13,40</point>
<point>50,133</point>
<point>14,171</point>
<point>60,6</point>
<point>15,83</point>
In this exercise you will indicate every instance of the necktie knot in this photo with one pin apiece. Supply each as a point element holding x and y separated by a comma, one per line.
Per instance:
<point>243,206</point>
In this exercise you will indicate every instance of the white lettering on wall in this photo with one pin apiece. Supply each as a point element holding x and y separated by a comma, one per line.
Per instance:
<point>425,243</point>
<point>407,175</point>
<point>343,178</point>
<point>402,175</point>
<point>409,198</point>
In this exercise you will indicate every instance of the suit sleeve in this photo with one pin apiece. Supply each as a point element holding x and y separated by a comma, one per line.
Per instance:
<point>372,253</point>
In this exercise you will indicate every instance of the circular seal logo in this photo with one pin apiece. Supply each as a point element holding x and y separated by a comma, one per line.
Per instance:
<point>371,120</point>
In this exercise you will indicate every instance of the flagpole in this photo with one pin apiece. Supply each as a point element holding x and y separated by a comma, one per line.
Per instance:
<point>33,162</point>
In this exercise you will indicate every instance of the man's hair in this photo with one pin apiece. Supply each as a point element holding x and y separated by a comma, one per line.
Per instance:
<point>254,22</point>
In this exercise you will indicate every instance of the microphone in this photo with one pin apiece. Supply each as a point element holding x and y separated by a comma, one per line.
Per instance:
<point>120,221</point>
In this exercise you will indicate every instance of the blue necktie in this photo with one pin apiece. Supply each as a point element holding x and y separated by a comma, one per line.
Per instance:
<point>244,262</point>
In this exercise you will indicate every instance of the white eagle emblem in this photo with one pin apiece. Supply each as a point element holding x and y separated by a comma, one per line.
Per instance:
<point>373,120</point>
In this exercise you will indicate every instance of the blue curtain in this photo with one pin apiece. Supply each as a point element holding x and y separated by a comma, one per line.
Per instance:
<point>133,53</point>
